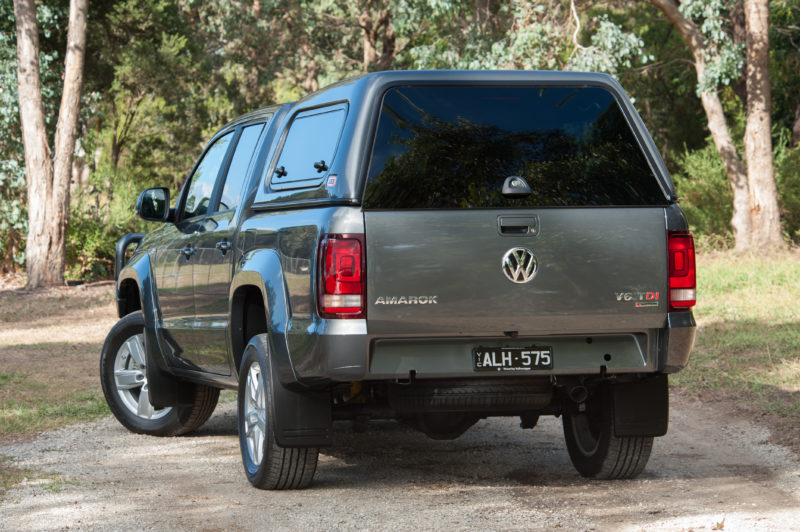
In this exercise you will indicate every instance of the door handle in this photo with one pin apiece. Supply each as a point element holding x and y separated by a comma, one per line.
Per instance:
<point>188,251</point>
<point>518,225</point>
<point>224,246</point>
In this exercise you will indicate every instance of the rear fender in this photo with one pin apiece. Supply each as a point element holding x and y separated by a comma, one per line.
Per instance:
<point>261,268</point>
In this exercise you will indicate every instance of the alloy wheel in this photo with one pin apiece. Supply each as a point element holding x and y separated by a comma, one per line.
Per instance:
<point>130,380</point>
<point>255,413</point>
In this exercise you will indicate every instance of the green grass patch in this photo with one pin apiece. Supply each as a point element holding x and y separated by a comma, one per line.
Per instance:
<point>58,485</point>
<point>748,288</point>
<point>36,415</point>
<point>11,379</point>
<point>747,348</point>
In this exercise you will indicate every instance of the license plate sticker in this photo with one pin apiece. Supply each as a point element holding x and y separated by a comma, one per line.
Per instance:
<point>512,358</point>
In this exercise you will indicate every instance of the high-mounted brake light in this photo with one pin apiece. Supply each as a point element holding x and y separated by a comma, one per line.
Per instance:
<point>342,276</point>
<point>682,277</point>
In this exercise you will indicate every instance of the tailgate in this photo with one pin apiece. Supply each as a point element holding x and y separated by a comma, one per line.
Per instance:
<point>442,272</point>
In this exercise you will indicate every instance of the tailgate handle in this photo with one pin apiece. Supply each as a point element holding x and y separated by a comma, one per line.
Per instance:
<point>518,225</point>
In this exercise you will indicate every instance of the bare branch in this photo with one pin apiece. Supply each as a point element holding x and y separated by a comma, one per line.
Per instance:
<point>574,12</point>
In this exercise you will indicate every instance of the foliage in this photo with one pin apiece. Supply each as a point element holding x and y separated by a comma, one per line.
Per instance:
<point>663,88</point>
<point>532,37</point>
<point>787,178</point>
<point>704,190</point>
<point>162,75</point>
<point>785,62</point>
<point>90,245</point>
<point>611,50</point>
<point>725,56</point>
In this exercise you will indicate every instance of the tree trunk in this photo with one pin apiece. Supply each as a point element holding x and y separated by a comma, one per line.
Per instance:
<point>740,39</point>
<point>740,222</point>
<point>764,210</point>
<point>38,165</point>
<point>48,178</point>
<point>796,128</point>
<point>371,29</point>
<point>309,68</point>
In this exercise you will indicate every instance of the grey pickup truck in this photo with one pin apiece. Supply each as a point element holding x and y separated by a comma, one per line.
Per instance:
<point>433,247</point>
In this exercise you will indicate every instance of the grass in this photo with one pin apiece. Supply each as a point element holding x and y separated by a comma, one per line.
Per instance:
<point>747,349</point>
<point>31,416</point>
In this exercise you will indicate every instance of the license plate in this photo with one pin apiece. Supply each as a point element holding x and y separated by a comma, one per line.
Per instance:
<point>512,358</point>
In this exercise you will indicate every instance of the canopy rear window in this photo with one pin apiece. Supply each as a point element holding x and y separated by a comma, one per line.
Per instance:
<point>453,147</point>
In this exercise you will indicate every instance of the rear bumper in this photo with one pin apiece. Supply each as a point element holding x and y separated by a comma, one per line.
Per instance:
<point>345,351</point>
<point>453,357</point>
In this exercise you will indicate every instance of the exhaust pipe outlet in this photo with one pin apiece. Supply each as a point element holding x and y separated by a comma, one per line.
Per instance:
<point>578,394</point>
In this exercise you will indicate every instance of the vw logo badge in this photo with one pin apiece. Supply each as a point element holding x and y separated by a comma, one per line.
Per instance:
<point>519,265</point>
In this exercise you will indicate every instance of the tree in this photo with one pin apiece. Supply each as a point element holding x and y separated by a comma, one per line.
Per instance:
<point>524,35</point>
<point>755,220</point>
<point>764,210</point>
<point>48,175</point>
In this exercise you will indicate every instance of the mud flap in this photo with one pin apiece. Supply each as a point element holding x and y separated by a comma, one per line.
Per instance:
<point>165,389</point>
<point>302,418</point>
<point>641,408</point>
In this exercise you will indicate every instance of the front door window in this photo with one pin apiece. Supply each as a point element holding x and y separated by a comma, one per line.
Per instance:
<point>201,188</point>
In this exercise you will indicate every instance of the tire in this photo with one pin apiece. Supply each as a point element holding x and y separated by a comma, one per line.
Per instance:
<point>124,381</point>
<point>596,452</point>
<point>267,465</point>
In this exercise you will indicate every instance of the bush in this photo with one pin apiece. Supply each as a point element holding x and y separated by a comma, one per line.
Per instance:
<point>705,193</point>
<point>707,198</point>
<point>97,222</point>
<point>90,246</point>
<point>787,178</point>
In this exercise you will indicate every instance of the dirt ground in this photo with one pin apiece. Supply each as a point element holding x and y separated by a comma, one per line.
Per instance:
<point>711,472</point>
<point>714,470</point>
<point>50,344</point>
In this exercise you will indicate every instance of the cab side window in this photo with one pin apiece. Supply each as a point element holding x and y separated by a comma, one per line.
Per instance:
<point>309,148</point>
<point>232,190</point>
<point>201,187</point>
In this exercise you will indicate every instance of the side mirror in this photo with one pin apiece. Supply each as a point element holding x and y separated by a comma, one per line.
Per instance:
<point>153,205</point>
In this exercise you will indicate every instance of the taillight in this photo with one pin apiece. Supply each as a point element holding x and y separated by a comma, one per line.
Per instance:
<point>342,277</point>
<point>682,278</point>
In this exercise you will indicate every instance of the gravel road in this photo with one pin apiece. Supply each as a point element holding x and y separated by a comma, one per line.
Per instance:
<point>712,471</point>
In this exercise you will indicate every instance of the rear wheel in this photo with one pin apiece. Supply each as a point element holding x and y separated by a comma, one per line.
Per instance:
<point>124,379</point>
<point>267,465</point>
<point>596,452</point>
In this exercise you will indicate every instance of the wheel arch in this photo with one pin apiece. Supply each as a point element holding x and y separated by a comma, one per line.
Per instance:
<point>136,289</point>
<point>248,316</point>
<point>259,303</point>
<point>128,298</point>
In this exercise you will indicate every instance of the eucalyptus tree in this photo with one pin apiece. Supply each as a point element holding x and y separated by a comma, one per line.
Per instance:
<point>522,35</point>
<point>13,201</point>
<point>48,171</point>
<point>718,60</point>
